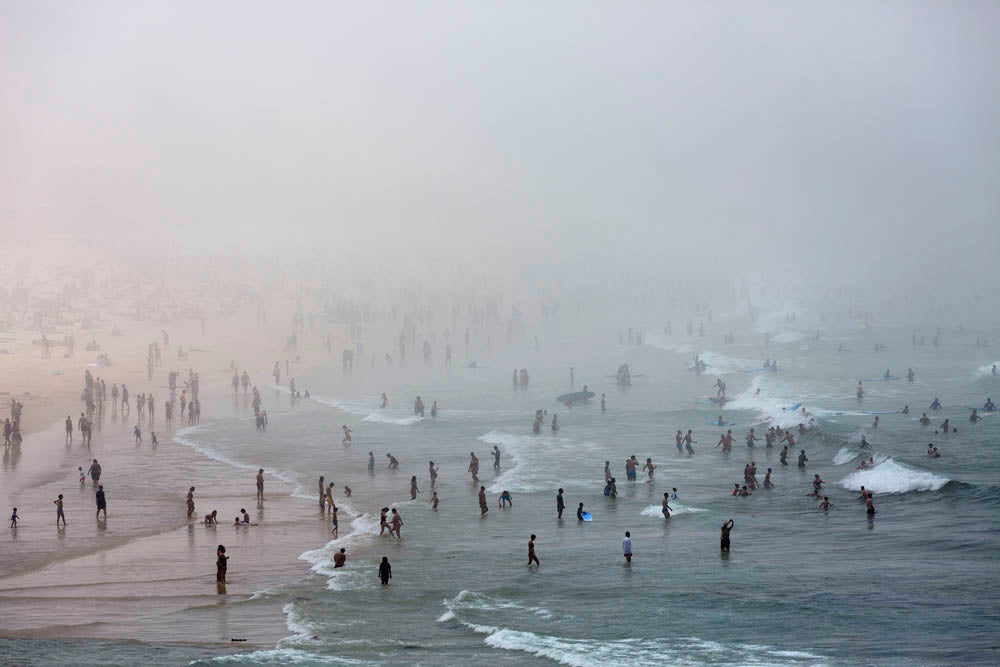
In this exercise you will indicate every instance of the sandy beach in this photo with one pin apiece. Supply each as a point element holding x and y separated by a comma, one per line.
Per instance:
<point>125,578</point>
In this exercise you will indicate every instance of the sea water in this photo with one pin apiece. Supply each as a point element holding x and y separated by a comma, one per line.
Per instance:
<point>800,586</point>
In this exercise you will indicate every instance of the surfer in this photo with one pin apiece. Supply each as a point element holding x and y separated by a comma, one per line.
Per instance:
<point>720,393</point>
<point>906,409</point>
<point>864,443</point>
<point>989,406</point>
<point>579,512</point>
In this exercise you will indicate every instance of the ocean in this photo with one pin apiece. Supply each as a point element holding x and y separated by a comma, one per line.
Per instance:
<point>916,584</point>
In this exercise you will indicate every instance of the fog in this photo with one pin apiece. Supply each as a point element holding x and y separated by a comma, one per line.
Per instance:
<point>580,143</point>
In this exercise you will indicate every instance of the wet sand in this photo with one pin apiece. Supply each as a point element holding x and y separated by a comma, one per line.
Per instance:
<point>146,573</point>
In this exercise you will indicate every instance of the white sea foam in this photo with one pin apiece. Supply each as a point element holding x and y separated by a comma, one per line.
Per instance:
<point>675,509</point>
<point>845,455</point>
<point>771,405</point>
<point>518,478</point>
<point>721,364</point>
<point>987,370</point>
<point>321,560</point>
<point>186,436</point>
<point>892,477</point>
<point>383,418</point>
<point>278,657</point>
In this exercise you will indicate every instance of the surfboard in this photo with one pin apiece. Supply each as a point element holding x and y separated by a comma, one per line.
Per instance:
<point>718,423</point>
<point>576,396</point>
<point>718,399</point>
<point>586,516</point>
<point>794,407</point>
<point>882,379</point>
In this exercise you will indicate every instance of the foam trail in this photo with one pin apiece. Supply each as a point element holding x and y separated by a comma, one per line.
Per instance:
<point>987,371</point>
<point>845,455</point>
<point>675,509</point>
<point>892,477</point>
<point>386,419</point>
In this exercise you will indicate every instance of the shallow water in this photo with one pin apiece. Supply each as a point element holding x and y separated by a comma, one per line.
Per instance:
<point>800,586</point>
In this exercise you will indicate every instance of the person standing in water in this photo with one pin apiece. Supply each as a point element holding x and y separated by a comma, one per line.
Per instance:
<point>560,504</point>
<point>433,471</point>
<point>260,485</point>
<point>221,565</point>
<point>397,523</point>
<point>413,488</point>
<point>60,513</point>
<point>102,503</point>
<point>371,463</point>
<point>190,502</point>
<point>724,538</point>
<point>496,457</point>
<point>483,507</point>
<point>666,507</point>
<point>532,556</point>
<point>473,466</point>
<point>627,547</point>
<point>385,571</point>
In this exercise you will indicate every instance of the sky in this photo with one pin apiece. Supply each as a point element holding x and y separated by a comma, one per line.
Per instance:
<point>831,138</point>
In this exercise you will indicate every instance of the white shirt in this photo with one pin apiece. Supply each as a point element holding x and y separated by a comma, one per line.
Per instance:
<point>626,546</point>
